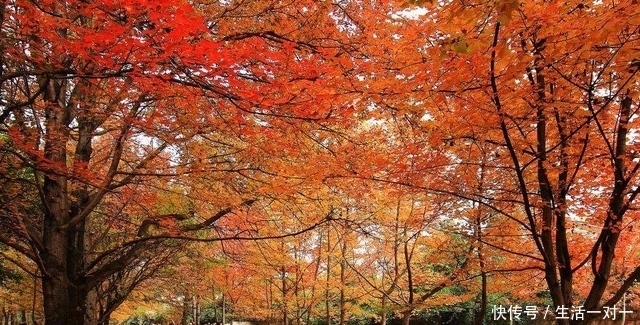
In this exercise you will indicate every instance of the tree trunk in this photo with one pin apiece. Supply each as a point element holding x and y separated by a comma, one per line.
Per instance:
<point>64,301</point>
<point>481,310</point>
<point>196,310</point>
<point>105,319</point>
<point>343,307</point>
<point>23,317</point>
<point>62,254</point>
<point>383,312</point>
<point>34,298</point>
<point>224,308</point>
<point>186,309</point>
<point>92,314</point>
<point>327,296</point>
<point>215,306</point>
<point>406,317</point>
<point>478,317</point>
<point>285,302</point>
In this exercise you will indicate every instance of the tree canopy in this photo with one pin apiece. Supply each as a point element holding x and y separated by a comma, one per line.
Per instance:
<point>317,161</point>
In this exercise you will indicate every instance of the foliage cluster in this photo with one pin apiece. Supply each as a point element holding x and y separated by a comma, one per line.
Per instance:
<point>317,160</point>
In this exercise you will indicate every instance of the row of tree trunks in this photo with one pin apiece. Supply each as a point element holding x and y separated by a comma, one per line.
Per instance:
<point>11,317</point>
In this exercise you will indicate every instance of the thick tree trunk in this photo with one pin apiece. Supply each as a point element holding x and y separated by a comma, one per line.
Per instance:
<point>62,253</point>
<point>64,301</point>
<point>64,292</point>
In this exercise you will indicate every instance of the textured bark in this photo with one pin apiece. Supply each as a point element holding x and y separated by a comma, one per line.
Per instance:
<point>63,288</point>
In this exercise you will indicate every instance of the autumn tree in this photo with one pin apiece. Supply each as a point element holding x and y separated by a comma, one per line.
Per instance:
<point>125,126</point>
<point>549,90</point>
<point>109,107</point>
<point>20,290</point>
<point>276,280</point>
